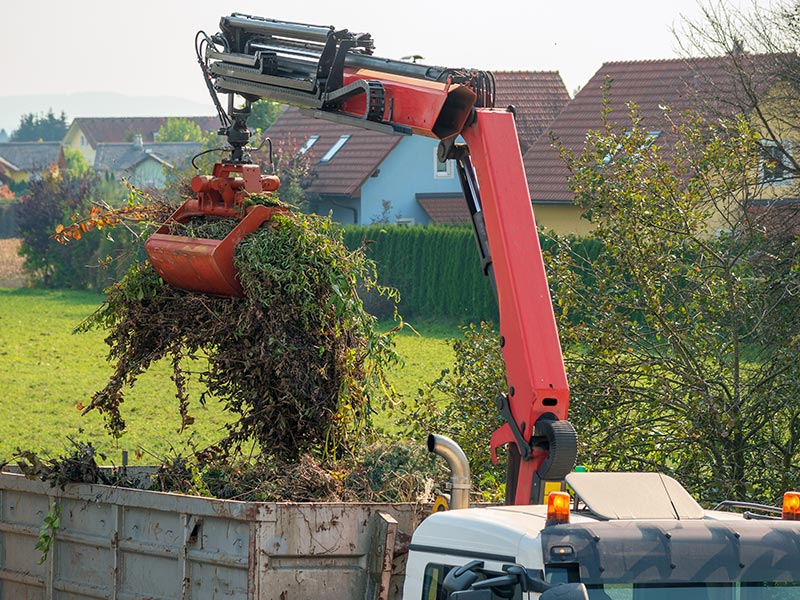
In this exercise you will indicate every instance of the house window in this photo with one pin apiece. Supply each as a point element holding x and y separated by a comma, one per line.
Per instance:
<point>83,141</point>
<point>651,137</point>
<point>309,143</point>
<point>403,221</point>
<point>775,162</point>
<point>442,170</point>
<point>335,148</point>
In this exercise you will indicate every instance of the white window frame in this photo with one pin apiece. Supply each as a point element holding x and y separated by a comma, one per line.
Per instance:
<point>785,178</point>
<point>335,148</point>
<point>404,221</point>
<point>649,140</point>
<point>312,139</point>
<point>438,171</point>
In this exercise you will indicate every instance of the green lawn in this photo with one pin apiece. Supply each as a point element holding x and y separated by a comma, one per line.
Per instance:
<point>46,371</point>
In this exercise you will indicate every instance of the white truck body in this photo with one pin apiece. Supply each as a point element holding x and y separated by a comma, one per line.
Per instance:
<point>633,536</point>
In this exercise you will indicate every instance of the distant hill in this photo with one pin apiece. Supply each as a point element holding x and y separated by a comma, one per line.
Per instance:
<point>100,104</point>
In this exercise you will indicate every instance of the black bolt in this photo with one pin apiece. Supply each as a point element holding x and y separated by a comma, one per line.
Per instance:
<point>511,391</point>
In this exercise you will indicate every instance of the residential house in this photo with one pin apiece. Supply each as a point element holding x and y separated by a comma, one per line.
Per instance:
<point>362,176</point>
<point>23,161</point>
<point>143,164</point>
<point>700,84</point>
<point>85,133</point>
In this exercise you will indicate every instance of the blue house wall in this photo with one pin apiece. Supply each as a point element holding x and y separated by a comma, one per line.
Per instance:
<point>408,170</point>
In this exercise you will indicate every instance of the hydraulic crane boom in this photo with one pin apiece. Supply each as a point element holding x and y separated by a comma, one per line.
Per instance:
<point>331,74</point>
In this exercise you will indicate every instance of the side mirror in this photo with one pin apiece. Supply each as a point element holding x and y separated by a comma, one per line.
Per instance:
<point>566,591</point>
<point>462,584</point>
<point>461,578</point>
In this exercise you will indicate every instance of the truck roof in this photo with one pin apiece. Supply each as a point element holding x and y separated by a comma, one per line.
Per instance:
<point>496,532</point>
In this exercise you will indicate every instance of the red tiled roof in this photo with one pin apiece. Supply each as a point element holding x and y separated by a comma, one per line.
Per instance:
<point>538,96</point>
<point>344,174</point>
<point>679,84</point>
<point>445,210</point>
<point>776,216</point>
<point>116,130</point>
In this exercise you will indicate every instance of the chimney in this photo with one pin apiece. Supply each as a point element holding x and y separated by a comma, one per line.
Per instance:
<point>138,141</point>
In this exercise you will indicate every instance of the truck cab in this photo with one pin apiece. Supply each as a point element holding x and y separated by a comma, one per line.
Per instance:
<point>624,536</point>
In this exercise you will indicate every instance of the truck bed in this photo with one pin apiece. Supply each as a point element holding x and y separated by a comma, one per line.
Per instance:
<point>126,544</point>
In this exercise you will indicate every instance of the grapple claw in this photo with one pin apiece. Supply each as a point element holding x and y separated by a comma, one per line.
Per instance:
<point>206,265</point>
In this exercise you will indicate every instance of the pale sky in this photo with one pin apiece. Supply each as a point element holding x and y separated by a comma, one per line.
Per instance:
<point>146,47</point>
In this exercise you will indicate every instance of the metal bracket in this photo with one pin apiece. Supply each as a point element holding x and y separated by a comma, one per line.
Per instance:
<point>525,449</point>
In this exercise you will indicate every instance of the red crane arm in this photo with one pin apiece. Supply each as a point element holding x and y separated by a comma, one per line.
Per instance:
<point>537,382</point>
<point>332,74</point>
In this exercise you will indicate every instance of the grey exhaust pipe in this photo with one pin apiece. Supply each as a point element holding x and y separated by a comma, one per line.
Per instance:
<point>459,468</point>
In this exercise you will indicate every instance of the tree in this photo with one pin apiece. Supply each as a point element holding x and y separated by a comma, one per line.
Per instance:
<point>6,193</point>
<point>178,129</point>
<point>75,162</point>
<point>44,127</point>
<point>262,114</point>
<point>763,70</point>
<point>58,197</point>
<point>678,317</point>
<point>295,172</point>
<point>461,405</point>
<point>682,335</point>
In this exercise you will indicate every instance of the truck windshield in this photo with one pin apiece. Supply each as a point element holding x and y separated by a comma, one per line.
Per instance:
<point>709,591</point>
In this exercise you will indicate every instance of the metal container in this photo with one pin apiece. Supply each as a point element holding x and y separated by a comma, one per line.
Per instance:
<point>127,544</point>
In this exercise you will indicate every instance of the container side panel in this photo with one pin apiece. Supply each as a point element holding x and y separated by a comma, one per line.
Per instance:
<point>148,576</point>
<point>20,556</point>
<point>319,529</point>
<point>226,538</point>
<point>23,508</point>
<point>74,596</point>
<point>126,544</point>
<point>212,582</point>
<point>81,563</point>
<point>151,526</point>
<point>87,518</point>
<point>19,591</point>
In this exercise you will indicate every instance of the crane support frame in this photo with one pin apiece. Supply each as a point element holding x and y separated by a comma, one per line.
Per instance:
<point>331,74</point>
<point>537,382</point>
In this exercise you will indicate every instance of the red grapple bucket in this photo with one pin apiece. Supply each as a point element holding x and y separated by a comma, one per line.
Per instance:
<point>205,265</point>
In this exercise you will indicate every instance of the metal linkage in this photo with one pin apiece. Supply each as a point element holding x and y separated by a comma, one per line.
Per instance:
<point>320,68</point>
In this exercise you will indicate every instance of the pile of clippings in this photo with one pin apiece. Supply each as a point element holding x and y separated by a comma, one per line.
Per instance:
<point>380,472</point>
<point>297,360</point>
